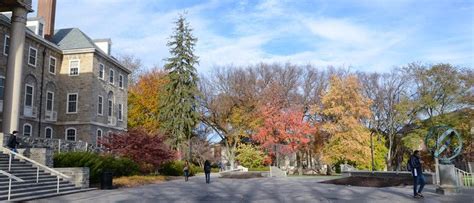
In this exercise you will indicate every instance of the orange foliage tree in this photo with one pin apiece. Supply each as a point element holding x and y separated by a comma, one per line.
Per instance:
<point>285,128</point>
<point>343,110</point>
<point>143,100</point>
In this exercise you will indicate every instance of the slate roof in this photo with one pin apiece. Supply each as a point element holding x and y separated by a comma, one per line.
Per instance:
<point>72,38</point>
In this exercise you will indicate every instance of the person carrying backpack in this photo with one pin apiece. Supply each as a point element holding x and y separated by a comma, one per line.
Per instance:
<point>207,171</point>
<point>12,142</point>
<point>414,165</point>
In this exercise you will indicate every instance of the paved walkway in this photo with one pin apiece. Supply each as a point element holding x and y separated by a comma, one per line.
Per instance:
<point>257,190</point>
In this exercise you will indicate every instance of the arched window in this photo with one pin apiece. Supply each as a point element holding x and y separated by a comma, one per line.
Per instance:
<point>48,133</point>
<point>27,129</point>
<point>71,134</point>
<point>99,137</point>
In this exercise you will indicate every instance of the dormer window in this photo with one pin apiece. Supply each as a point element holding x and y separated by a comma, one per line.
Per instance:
<point>40,29</point>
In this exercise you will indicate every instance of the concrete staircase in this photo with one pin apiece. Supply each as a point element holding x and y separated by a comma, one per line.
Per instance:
<point>30,188</point>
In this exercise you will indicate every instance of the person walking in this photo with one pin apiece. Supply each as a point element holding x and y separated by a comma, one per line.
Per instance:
<point>207,171</point>
<point>415,165</point>
<point>186,170</point>
<point>12,143</point>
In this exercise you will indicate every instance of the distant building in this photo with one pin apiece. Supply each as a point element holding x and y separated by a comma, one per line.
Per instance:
<point>72,88</point>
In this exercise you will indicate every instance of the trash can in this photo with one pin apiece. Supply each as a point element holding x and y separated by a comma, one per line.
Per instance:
<point>106,180</point>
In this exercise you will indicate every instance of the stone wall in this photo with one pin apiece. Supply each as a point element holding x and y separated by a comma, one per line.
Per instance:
<point>79,175</point>
<point>429,177</point>
<point>41,155</point>
<point>56,145</point>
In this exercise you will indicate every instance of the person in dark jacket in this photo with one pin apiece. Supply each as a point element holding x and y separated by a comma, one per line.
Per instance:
<point>186,170</point>
<point>207,171</point>
<point>417,173</point>
<point>12,142</point>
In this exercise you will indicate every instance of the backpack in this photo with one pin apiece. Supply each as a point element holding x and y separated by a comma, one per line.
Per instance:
<point>409,166</point>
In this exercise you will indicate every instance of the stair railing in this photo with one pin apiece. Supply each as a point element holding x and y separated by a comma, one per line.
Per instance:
<point>10,177</point>
<point>38,166</point>
<point>465,179</point>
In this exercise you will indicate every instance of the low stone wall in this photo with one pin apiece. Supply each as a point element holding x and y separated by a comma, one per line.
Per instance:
<point>244,175</point>
<point>404,175</point>
<point>277,172</point>
<point>41,155</point>
<point>57,145</point>
<point>79,175</point>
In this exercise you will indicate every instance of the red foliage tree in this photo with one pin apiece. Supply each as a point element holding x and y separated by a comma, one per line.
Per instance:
<point>287,128</point>
<point>149,151</point>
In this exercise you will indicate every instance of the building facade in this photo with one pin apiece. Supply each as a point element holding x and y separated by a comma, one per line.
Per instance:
<point>72,88</point>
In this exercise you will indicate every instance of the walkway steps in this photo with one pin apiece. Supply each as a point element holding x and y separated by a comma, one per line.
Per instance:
<point>31,189</point>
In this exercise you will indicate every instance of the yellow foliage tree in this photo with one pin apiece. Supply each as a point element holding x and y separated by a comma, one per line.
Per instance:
<point>143,100</point>
<point>343,109</point>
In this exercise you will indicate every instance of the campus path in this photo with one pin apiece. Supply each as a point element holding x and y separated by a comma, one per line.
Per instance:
<point>290,189</point>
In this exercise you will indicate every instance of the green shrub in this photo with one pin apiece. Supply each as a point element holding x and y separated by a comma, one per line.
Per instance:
<point>260,169</point>
<point>175,168</point>
<point>97,164</point>
<point>249,156</point>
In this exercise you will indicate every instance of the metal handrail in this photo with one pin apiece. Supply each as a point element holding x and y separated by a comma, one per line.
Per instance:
<point>10,177</point>
<point>10,152</point>
<point>461,175</point>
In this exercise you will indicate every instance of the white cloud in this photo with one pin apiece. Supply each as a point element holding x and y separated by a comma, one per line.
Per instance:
<point>339,30</point>
<point>137,28</point>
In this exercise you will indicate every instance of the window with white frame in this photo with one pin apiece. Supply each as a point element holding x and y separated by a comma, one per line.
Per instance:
<point>120,112</point>
<point>27,129</point>
<point>48,133</point>
<point>100,105</point>
<point>32,53</point>
<point>2,87</point>
<point>121,81</point>
<point>99,137</point>
<point>101,71</point>
<point>40,29</point>
<point>6,45</point>
<point>49,101</point>
<point>72,100</point>
<point>74,66</point>
<point>111,76</point>
<point>71,134</point>
<point>110,107</point>
<point>29,95</point>
<point>52,65</point>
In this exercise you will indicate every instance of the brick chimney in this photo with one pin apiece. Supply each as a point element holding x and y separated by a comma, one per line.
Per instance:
<point>47,10</point>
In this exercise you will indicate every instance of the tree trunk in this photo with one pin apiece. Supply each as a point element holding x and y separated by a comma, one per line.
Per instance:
<point>389,153</point>
<point>299,163</point>
<point>329,171</point>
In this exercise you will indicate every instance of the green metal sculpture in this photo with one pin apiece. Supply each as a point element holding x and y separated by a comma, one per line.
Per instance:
<point>444,143</point>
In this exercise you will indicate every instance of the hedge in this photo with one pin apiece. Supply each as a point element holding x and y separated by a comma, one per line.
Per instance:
<point>97,164</point>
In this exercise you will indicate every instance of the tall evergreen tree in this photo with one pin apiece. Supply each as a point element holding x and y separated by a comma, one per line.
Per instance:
<point>178,112</point>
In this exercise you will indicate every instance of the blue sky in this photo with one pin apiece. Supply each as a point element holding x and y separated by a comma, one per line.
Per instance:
<point>373,35</point>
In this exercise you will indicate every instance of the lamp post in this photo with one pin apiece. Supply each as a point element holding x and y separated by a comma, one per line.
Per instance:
<point>372,150</point>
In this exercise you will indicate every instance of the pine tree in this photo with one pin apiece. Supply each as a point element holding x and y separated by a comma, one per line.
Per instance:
<point>178,112</point>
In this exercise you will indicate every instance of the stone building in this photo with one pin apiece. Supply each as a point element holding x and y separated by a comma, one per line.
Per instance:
<point>72,88</point>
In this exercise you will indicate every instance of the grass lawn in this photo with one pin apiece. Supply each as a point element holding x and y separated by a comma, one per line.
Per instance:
<point>133,181</point>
